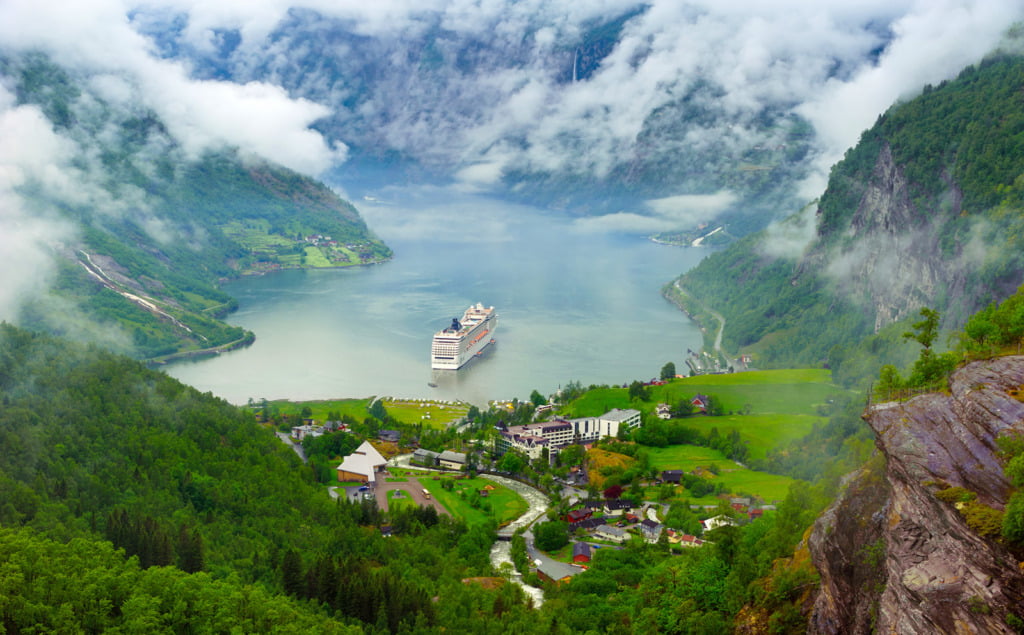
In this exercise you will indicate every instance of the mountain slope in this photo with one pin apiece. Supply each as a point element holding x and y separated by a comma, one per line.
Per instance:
<point>924,211</point>
<point>97,448</point>
<point>148,229</point>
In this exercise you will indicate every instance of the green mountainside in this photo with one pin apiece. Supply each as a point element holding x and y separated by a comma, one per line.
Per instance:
<point>220,520</point>
<point>924,211</point>
<point>156,230</point>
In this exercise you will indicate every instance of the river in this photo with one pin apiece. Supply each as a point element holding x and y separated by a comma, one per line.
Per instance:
<point>574,303</point>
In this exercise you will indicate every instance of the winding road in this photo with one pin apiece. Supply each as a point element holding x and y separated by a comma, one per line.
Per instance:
<point>714,314</point>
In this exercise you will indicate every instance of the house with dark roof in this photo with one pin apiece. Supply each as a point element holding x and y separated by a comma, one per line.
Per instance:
<point>589,524</point>
<point>389,436</point>
<point>672,476</point>
<point>580,552</point>
<point>651,530</point>
<point>425,458</point>
<point>578,515</point>
<point>617,506</point>
<point>451,460</point>
<point>557,572</point>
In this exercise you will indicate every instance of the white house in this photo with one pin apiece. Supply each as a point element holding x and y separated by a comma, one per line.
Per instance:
<point>607,532</point>
<point>717,521</point>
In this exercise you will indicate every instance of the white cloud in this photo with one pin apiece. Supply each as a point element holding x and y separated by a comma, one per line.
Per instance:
<point>97,39</point>
<point>933,40</point>
<point>30,154</point>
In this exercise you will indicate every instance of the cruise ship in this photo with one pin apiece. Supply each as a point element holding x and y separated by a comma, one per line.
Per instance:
<point>457,344</point>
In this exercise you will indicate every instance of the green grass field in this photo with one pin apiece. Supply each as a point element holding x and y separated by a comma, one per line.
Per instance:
<point>409,412</point>
<point>505,504</point>
<point>760,432</point>
<point>412,412</point>
<point>398,499</point>
<point>355,408</point>
<point>798,391</point>
<point>767,391</point>
<point>315,258</point>
<point>738,479</point>
<point>784,405</point>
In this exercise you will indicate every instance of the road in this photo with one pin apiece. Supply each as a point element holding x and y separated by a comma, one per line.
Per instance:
<point>714,314</point>
<point>295,446</point>
<point>412,489</point>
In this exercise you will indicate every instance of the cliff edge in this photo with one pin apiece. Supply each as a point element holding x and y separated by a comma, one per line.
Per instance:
<point>893,557</point>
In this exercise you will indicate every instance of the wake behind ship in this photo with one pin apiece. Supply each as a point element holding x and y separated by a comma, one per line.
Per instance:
<point>457,344</point>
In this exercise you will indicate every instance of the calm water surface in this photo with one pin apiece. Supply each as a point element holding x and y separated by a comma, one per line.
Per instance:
<point>573,304</point>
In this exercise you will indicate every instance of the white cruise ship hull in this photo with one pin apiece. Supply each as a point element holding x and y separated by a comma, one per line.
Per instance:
<point>453,348</point>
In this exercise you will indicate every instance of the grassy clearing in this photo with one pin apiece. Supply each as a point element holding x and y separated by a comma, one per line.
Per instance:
<point>766,392</point>
<point>406,411</point>
<point>315,258</point>
<point>356,408</point>
<point>761,432</point>
<point>413,411</point>
<point>503,504</point>
<point>798,391</point>
<point>398,499</point>
<point>736,478</point>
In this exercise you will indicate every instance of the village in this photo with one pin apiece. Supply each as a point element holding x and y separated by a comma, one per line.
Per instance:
<point>390,471</point>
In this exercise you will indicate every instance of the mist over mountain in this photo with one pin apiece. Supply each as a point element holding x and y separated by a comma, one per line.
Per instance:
<point>118,229</point>
<point>656,115</point>
<point>923,212</point>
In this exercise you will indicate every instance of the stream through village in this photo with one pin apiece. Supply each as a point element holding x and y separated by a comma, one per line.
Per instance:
<point>501,551</point>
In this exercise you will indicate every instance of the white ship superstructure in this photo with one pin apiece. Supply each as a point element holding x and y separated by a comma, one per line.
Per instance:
<point>457,344</point>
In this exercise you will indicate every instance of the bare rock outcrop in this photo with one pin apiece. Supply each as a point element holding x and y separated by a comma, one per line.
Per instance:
<point>893,558</point>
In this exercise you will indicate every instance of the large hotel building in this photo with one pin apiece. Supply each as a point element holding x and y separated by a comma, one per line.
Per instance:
<point>531,439</point>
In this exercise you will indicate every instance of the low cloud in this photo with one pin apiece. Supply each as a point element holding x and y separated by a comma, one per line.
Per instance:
<point>790,237</point>
<point>672,213</point>
<point>97,40</point>
<point>31,156</point>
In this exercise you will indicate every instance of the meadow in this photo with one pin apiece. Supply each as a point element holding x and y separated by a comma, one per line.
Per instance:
<point>769,408</point>
<point>501,504</point>
<point>799,391</point>
<point>738,479</point>
<point>410,412</point>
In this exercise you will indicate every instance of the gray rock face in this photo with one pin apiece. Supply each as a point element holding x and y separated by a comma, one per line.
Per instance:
<point>895,559</point>
<point>891,256</point>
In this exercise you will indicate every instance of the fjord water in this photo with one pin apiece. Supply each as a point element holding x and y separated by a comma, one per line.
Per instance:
<point>574,303</point>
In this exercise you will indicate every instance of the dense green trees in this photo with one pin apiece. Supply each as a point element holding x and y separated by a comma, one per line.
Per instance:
<point>87,586</point>
<point>551,535</point>
<point>99,449</point>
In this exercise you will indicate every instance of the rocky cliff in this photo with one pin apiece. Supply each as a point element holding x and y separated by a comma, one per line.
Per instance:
<point>893,557</point>
<point>893,259</point>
